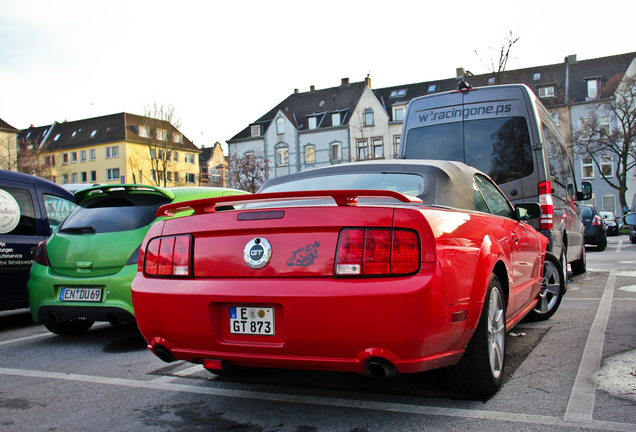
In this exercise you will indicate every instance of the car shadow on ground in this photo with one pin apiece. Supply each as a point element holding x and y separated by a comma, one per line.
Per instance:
<point>16,319</point>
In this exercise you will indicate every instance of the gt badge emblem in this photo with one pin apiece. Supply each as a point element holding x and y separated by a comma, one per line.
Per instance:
<point>257,253</point>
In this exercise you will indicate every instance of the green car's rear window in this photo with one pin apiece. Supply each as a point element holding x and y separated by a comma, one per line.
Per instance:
<point>113,213</point>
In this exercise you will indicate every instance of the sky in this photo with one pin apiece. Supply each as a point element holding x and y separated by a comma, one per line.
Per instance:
<point>224,64</point>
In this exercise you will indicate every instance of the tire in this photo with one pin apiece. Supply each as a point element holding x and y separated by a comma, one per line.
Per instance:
<point>602,245</point>
<point>552,290</point>
<point>632,237</point>
<point>564,265</point>
<point>580,266</point>
<point>68,328</point>
<point>480,370</point>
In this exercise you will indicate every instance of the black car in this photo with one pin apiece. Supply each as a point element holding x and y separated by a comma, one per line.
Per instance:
<point>595,228</point>
<point>610,222</point>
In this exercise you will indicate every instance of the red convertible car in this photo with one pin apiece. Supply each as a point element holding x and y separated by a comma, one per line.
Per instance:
<point>376,268</point>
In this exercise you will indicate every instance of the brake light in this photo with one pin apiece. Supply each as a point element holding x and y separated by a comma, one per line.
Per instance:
<point>546,222</point>
<point>597,220</point>
<point>377,252</point>
<point>168,256</point>
<point>41,256</point>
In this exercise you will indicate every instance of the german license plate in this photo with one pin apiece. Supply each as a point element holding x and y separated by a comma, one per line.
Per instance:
<point>81,294</point>
<point>252,320</point>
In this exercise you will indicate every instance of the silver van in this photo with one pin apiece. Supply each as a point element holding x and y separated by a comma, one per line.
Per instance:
<point>506,132</point>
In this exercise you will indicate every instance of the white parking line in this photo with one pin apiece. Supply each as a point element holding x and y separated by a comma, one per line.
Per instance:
<point>326,401</point>
<point>35,336</point>
<point>581,403</point>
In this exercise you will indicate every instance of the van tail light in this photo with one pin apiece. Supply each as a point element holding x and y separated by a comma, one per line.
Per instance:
<point>41,256</point>
<point>597,220</point>
<point>168,256</point>
<point>546,222</point>
<point>370,252</point>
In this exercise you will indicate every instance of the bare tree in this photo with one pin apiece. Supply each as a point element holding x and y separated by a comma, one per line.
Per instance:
<point>159,129</point>
<point>601,143</point>
<point>8,152</point>
<point>502,61</point>
<point>247,172</point>
<point>38,160</point>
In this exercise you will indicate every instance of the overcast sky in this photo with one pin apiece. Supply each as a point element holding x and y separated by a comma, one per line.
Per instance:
<point>223,64</point>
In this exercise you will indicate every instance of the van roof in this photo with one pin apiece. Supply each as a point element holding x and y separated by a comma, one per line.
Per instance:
<point>28,178</point>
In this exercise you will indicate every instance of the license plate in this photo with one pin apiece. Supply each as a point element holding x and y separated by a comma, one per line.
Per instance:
<point>81,294</point>
<point>252,320</point>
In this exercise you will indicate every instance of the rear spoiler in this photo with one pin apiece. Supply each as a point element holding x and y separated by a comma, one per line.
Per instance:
<point>106,189</point>
<point>341,197</point>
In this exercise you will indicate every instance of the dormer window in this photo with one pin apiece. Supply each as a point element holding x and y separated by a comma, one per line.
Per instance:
<point>335,119</point>
<point>432,88</point>
<point>162,134</point>
<point>311,123</point>
<point>280,126</point>
<point>255,130</point>
<point>177,137</point>
<point>491,80</point>
<point>592,89</point>
<point>397,93</point>
<point>399,114</point>
<point>536,77</point>
<point>143,132</point>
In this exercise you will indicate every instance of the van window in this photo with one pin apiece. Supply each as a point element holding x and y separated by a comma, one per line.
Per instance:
<point>57,210</point>
<point>26,225</point>
<point>499,147</point>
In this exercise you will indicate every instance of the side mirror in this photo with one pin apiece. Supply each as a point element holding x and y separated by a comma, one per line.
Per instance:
<point>630,219</point>
<point>526,211</point>
<point>586,192</point>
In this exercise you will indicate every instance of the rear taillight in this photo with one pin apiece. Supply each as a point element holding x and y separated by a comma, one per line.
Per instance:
<point>41,257</point>
<point>168,256</point>
<point>597,220</point>
<point>546,222</point>
<point>377,252</point>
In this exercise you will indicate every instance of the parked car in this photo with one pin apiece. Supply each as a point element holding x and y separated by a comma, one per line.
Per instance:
<point>83,272</point>
<point>31,209</point>
<point>595,230</point>
<point>427,270</point>
<point>611,223</point>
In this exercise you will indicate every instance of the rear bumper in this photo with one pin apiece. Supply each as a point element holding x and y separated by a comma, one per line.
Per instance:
<point>320,323</point>
<point>44,291</point>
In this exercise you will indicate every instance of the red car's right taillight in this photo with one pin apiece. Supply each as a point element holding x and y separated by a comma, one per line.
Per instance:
<point>374,252</point>
<point>168,256</point>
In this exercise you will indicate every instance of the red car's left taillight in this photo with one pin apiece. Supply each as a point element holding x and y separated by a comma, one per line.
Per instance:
<point>41,257</point>
<point>168,256</point>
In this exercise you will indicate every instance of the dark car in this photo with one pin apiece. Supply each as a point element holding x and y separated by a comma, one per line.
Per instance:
<point>377,267</point>
<point>31,209</point>
<point>610,222</point>
<point>595,229</point>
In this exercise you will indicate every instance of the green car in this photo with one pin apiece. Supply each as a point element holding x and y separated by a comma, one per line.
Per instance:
<point>83,272</point>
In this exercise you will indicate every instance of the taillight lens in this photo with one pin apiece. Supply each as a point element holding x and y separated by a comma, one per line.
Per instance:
<point>546,222</point>
<point>41,257</point>
<point>597,220</point>
<point>377,252</point>
<point>168,256</point>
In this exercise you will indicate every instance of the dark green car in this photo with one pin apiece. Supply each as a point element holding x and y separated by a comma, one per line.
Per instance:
<point>83,272</point>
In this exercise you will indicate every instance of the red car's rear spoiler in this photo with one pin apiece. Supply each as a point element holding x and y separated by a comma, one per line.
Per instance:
<point>341,197</point>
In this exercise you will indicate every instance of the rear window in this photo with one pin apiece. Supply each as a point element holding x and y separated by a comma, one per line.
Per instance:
<point>499,147</point>
<point>586,211</point>
<point>113,213</point>
<point>408,184</point>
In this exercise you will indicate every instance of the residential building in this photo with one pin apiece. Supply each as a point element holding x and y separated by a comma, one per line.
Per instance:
<point>117,148</point>
<point>8,146</point>
<point>213,165</point>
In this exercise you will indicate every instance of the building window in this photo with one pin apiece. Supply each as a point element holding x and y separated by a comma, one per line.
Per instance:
<point>536,77</point>
<point>396,144</point>
<point>94,133</point>
<point>311,122</point>
<point>607,167</point>
<point>73,177</point>
<point>57,137</point>
<point>169,176</point>
<point>491,80</point>
<point>397,93</point>
<point>592,89</point>
<point>112,174</point>
<point>64,178</point>
<point>378,148</point>
<point>189,178</point>
<point>280,125</point>
<point>189,158</point>
<point>176,177</point>
<point>92,154</point>
<point>399,114</point>
<point>604,124</point>
<point>546,92</point>
<point>335,119</point>
<point>362,149</point>
<point>93,176</point>
<point>175,157</point>
<point>310,154</point>
<point>73,157</point>
<point>609,203</point>
<point>282,156</point>
<point>178,138</point>
<point>83,156</point>
<point>588,167</point>
<point>432,88</point>
<point>49,161</point>
<point>255,130</point>
<point>335,152</point>
<point>368,117</point>
<point>143,132</point>
<point>84,177</point>
<point>162,134</point>
<point>555,118</point>
<point>215,175</point>
<point>64,158</point>
<point>112,152</point>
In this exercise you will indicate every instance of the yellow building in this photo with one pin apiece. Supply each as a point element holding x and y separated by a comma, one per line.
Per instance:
<point>117,148</point>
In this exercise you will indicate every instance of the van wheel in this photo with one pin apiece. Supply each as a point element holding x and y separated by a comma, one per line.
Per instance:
<point>580,266</point>
<point>68,328</point>
<point>480,370</point>
<point>564,265</point>
<point>552,290</point>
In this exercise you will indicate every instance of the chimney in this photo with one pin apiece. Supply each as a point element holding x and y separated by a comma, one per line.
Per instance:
<point>296,91</point>
<point>367,81</point>
<point>571,59</point>
<point>312,89</point>
<point>460,72</point>
<point>345,82</point>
